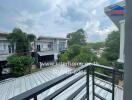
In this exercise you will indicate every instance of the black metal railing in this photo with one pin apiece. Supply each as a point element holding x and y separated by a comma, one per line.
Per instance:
<point>90,71</point>
<point>111,79</point>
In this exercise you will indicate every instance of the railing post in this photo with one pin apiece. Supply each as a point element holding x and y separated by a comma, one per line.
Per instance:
<point>87,82</point>
<point>35,97</point>
<point>113,84</point>
<point>93,88</point>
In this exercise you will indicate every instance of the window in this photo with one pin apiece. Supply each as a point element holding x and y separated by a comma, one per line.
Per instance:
<point>9,48</point>
<point>4,46</point>
<point>50,46</point>
<point>38,48</point>
<point>61,46</point>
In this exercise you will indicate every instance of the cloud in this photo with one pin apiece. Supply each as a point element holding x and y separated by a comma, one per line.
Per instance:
<point>58,17</point>
<point>95,33</point>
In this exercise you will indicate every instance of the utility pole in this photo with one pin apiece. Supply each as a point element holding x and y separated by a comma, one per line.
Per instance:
<point>128,52</point>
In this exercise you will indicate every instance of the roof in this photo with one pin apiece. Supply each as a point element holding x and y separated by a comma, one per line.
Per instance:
<point>3,34</point>
<point>60,38</point>
<point>19,85</point>
<point>115,19</point>
<point>45,53</point>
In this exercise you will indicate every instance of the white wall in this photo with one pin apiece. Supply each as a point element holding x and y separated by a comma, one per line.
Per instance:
<point>4,47</point>
<point>122,40</point>
<point>55,44</point>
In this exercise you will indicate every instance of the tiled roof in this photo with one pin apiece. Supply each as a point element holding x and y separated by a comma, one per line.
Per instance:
<point>19,85</point>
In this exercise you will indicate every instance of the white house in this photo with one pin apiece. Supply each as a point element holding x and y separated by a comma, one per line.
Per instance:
<point>48,48</point>
<point>6,49</point>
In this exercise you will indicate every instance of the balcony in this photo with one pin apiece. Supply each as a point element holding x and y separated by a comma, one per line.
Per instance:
<point>61,82</point>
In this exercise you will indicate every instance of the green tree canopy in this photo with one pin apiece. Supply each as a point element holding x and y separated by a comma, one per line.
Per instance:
<point>73,51</point>
<point>20,65</point>
<point>112,46</point>
<point>97,46</point>
<point>77,37</point>
<point>31,37</point>
<point>21,40</point>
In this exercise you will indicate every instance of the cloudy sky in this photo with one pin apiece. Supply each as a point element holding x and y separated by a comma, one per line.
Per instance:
<point>57,17</point>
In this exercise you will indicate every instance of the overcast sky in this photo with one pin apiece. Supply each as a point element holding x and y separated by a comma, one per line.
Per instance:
<point>57,17</point>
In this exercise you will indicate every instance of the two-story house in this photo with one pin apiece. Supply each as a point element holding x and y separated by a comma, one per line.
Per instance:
<point>48,48</point>
<point>6,49</point>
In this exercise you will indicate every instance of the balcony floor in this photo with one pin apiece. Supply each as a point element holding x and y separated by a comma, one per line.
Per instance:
<point>16,86</point>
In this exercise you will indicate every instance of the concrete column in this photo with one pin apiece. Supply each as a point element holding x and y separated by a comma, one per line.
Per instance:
<point>128,52</point>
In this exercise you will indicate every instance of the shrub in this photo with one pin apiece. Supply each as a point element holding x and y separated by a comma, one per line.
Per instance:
<point>20,65</point>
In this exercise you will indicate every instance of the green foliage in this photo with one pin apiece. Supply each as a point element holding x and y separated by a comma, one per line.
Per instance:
<point>73,51</point>
<point>77,37</point>
<point>63,57</point>
<point>78,53</point>
<point>96,46</point>
<point>20,65</point>
<point>31,37</point>
<point>78,50</point>
<point>112,46</point>
<point>22,40</point>
<point>103,61</point>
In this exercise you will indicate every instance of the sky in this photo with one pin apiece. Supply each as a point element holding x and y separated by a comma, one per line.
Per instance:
<point>57,18</point>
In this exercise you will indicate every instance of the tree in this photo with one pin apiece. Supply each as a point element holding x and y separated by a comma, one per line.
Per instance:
<point>63,57</point>
<point>73,51</point>
<point>20,39</point>
<point>77,53</point>
<point>22,60</point>
<point>20,64</point>
<point>86,55</point>
<point>97,46</point>
<point>77,37</point>
<point>31,37</point>
<point>111,52</point>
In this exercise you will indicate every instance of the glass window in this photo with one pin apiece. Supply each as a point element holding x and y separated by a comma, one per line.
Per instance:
<point>9,48</point>
<point>61,46</point>
<point>38,48</point>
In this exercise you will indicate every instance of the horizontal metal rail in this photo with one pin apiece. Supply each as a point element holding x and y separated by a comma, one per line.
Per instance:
<point>34,92</point>
<point>100,75</point>
<point>76,92</point>
<point>41,88</point>
<point>103,87</point>
<point>100,97</point>
<point>63,88</point>
<point>84,97</point>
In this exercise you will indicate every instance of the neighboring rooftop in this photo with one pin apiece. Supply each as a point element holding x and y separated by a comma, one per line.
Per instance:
<point>3,34</point>
<point>17,86</point>
<point>46,37</point>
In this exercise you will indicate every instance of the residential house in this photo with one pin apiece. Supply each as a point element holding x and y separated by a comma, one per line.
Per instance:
<point>6,49</point>
<point>48,48</point>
